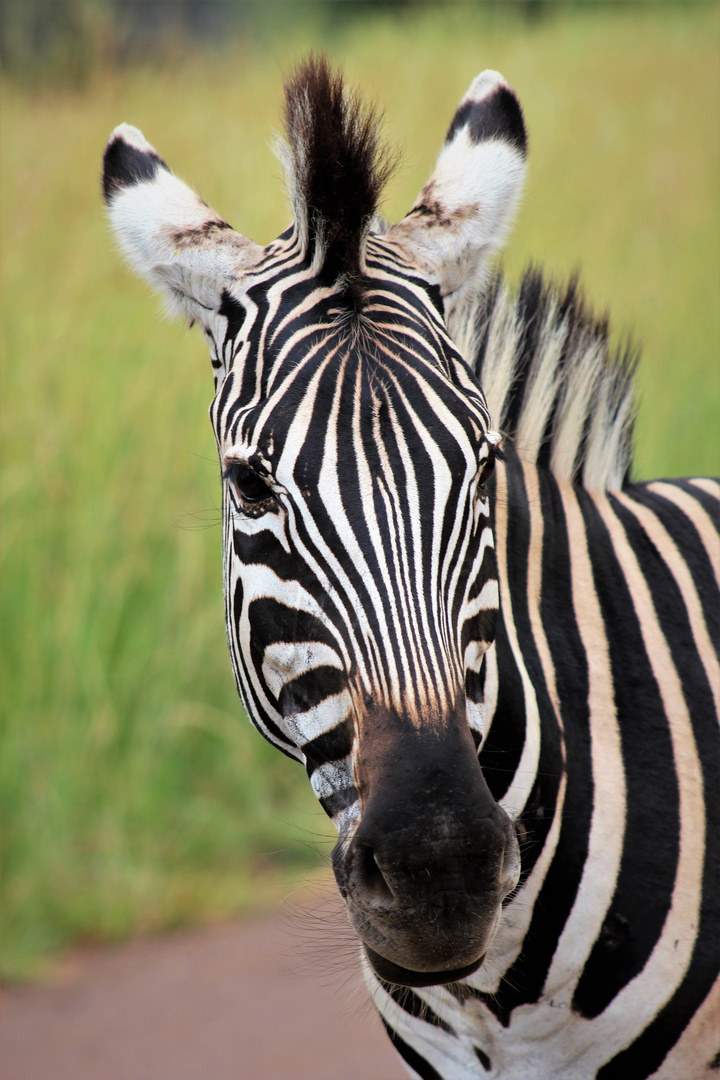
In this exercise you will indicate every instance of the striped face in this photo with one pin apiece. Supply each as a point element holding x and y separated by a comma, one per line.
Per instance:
<point>359,561</point>
<point>355,444</point>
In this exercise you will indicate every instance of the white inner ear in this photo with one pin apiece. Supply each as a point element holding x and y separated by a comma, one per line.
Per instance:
<point>480,186</point>
<point>477,188</point>
<point>172,239</point>
<point>464,212</point>
<point>155,222</point>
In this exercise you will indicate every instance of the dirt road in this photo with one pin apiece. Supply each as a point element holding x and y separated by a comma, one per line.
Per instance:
<point>242,1001</point>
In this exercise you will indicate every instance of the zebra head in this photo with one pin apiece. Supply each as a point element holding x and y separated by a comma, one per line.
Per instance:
<point>355,446</point>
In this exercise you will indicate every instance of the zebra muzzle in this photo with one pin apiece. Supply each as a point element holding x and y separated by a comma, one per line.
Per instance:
<point>432,858</point>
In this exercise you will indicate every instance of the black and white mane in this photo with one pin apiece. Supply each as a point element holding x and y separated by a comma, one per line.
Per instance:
<point>555,386</point>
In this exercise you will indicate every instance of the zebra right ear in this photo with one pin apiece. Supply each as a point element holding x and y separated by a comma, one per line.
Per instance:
<point>169,235</point>
<point>464,212</point>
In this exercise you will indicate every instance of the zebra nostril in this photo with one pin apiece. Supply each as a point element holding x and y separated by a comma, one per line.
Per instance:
<point>371,877</point>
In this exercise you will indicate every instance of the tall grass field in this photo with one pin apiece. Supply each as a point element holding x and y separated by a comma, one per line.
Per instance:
<point>136,797</point>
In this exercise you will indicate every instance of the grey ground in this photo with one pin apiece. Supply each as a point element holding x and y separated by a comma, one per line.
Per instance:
<point>270,998</point>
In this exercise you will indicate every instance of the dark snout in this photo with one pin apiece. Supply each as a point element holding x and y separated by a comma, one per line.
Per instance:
<point>433,857</point>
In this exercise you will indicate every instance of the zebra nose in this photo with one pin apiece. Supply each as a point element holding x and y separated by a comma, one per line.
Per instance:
<point>443,862</point>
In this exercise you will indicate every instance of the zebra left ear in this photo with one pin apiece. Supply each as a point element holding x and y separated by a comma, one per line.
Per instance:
<point>168,234</point>
<point>465,210</point>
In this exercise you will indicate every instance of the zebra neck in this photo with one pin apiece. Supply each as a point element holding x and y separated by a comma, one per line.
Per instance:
<point>542,680</point>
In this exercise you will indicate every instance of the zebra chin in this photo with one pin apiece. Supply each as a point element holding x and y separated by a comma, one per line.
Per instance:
<point>418,959</point>
<point>426,870</point>
<point>401,976</point>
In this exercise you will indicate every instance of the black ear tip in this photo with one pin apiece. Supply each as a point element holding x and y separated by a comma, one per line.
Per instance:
<point>128,159</point>
<point>514,121</point>
<point>491,110</point>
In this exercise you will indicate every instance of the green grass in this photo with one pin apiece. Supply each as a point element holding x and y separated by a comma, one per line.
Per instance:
<point>135,796</point>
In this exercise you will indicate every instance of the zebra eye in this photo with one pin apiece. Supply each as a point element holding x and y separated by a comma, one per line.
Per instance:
<point>249,486</point>
<point>486,471</point>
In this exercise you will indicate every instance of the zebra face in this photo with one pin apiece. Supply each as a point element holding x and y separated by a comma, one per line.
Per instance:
<point>361,594</point>
<point>355,446</point>
<point>354,500</point>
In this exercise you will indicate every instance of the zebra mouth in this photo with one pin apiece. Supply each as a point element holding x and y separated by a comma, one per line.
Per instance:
<point>393,973</point>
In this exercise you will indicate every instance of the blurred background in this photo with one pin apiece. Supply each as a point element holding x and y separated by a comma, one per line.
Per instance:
<point>135,795</point>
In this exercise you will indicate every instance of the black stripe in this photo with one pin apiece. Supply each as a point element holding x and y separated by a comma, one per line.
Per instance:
<point>339,800</point>
<point>220,402</point>
<point>235,314</point>
<point>503,746</point>
<point>256,712</point>
<point>270,621</point>
<point>483,1058</point>
<point>422,1067</point>
<point>532,300</point>
<point>502,749</point>
<point>333,745</point>
<point>413,1004</point>
<point>310,689</point>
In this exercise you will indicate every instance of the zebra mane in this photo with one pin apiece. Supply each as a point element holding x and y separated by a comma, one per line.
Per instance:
<point>555,388</point>
<point>336,167</point>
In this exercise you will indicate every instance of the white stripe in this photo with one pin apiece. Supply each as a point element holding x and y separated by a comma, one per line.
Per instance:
<point>488,599</point>
<point>306,726</point>
<point>332,776</point>
<point>490,689</point>
<point>284,661</point>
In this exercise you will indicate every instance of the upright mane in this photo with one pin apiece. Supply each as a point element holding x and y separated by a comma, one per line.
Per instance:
<point>554,386</point>
<point>336,166</point>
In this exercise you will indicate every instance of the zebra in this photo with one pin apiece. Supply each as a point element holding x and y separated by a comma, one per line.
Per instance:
<point>496,656</point>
